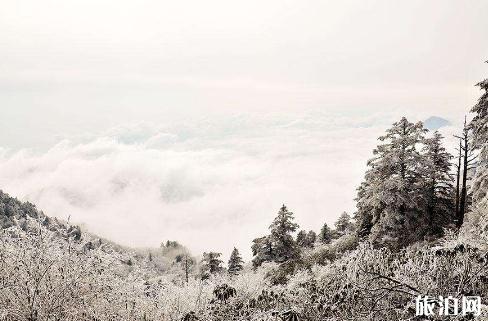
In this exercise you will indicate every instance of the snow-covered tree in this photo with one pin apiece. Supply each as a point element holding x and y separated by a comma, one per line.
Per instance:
<point>311,238</point>
<point>284,247</point>
<point>391,196</point>
<point>262,250</point>
<point>306,239</point>
<point>366,210</point>
<point>280,245</point>
<point>302,238</point>
<point>438,188</point>
<point>326,234</point>
<point>479,127</point>
<point>211,264</point>
<point>235,264</point>
<point>344,224</point>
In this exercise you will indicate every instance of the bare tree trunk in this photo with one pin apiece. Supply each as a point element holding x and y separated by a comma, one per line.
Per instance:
<point>464,192</point>
<point>458,177</point>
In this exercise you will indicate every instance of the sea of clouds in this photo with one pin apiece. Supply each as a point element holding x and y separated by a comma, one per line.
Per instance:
<point>211,184</point>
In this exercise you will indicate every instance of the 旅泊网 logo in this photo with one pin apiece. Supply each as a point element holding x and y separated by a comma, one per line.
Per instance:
<point>429,305</point>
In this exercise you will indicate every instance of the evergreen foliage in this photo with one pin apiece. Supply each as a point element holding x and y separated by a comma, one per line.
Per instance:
<point>211,264</point>
<point>235,264</point>
<point>406,189</point>
<point>279,246</point>
<point>344,224</point>
<point>262,250</point>
<point>438,186</point>
<point>326,234</point>
<point>479,127</point>
<point>311,238</point>
<point>306,239</point>
<point>281,235</point>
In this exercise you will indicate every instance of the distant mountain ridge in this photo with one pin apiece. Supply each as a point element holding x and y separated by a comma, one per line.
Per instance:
<point>435,122</point>
<point>19,219</point>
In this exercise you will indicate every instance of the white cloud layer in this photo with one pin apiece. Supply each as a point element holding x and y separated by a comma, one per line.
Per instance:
<point>211,185</point>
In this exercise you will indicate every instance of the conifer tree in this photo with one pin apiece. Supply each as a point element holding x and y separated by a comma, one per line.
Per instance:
<point>302,238</point>
<point>479,127</point>
<point>326,234</point>
<point>391,196</point>
<point>211,264</point>
<point>366,210</point>
<point>343,224</point>
<point>306,239</point>
<point>438,189</point>
<point>311,238</point>
<point>283,244</point>
<point>280,245</point>
<point>235,264</point>
<point>262,250</point>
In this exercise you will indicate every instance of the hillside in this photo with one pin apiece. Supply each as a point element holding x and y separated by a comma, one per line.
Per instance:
<point>50,268</point>
<point>24,219</point>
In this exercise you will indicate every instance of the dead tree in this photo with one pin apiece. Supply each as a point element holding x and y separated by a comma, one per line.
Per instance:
<point>458,176</point>
<point>468,163</point>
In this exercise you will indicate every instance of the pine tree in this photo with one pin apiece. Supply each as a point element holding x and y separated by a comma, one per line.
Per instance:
<point>211,264</point>
<point>366,210</point>
<point>479,127</point>
<point>438,188</point>
<point>311,238</point>
<point>279,246</point>
<point>391,196</point>
<point>262,250</point>
<point>235,263</point>
<point>306,239</point>
<point>302,238</point>
<point>326,234</point>
<point>283,244</point>
<point>343,224</point>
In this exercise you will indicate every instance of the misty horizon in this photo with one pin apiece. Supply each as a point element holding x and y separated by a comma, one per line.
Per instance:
<point>189,121</point>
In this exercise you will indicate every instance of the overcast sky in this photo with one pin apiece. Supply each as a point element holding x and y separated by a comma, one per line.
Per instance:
<point>189,120</point>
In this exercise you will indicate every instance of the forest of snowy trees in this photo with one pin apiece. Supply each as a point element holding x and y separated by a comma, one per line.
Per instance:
<point>421,227</point>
